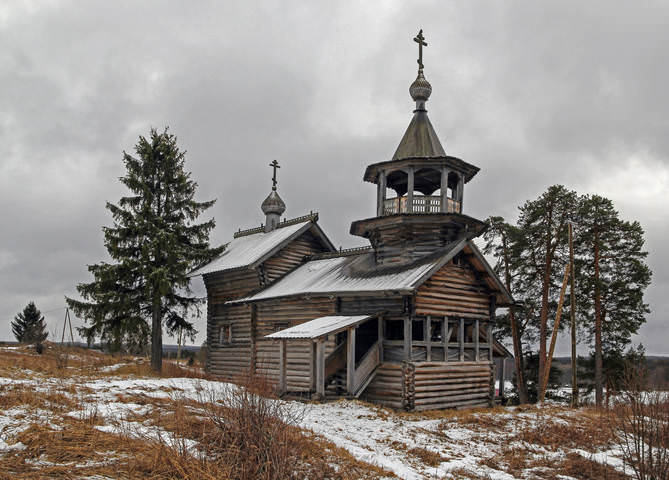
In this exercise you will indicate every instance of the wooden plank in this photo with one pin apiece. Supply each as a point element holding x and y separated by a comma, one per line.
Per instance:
<point>320,368</point>
<point>461,338</point>
<point>427,329</point>
<point>350,360</point>
<point>407,338</point>
<point>476,335</point>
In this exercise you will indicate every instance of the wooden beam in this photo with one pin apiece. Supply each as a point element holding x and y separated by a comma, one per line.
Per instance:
<point>461,338</point>
<point>381,194</point>
<point>444,190</point>
<point>380,337</point>
<point>407,338</point>
<point>410,186</point>
<point>490,341</point>
<point>313,366</point>
<point>320,368</point>
<point>282,366</point>
<point>350,360</point>
<point>502,372</point>
<point>444,338</point>
<point>427,328</point>
<point>476,333</point>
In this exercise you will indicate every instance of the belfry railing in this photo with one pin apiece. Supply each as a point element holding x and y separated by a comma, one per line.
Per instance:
<point>421,204</point>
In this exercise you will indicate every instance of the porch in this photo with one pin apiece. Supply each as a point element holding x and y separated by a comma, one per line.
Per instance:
<point>435,362</point>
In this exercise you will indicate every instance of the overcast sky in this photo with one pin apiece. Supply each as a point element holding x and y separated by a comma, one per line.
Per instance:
<point>534,93</point>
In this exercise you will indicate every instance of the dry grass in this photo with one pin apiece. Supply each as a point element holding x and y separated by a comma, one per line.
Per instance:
<point>246,437</point>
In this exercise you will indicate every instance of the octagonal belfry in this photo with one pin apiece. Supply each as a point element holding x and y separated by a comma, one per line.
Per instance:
<point>420,191</point>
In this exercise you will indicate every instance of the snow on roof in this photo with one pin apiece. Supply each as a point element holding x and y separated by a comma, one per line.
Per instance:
<point>319,327</point>
<point>246,250</point>
<point>354,274</point>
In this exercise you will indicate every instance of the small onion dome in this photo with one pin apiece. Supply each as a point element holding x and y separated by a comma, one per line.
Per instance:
<point>273,204</point>
<point>420,89</point>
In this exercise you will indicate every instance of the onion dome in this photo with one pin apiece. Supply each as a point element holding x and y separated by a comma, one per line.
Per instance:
<point>420,89</point>
<point>273,204</point>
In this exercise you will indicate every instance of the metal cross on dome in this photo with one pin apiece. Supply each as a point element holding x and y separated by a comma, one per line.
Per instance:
<point>420,40</point>
<point>274,165</point>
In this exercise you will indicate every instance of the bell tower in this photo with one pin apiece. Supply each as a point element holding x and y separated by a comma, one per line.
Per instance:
<point>424,210</point>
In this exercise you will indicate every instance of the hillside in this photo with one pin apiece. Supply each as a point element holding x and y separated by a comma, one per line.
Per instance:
<point>97,416</point>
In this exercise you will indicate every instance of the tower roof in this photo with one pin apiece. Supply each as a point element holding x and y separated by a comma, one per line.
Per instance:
<point>420,140</point>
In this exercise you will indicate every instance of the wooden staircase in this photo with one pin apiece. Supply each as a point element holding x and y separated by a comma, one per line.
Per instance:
<point>335,372</point>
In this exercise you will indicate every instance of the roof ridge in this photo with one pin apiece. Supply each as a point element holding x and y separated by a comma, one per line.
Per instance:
<point>346,252</point>
<point>311,216</point>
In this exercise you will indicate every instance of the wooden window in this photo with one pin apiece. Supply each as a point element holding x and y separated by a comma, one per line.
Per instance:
<point>394,330</point>
<point>435,327</point>
<point>417,332</point>
<point>225,334</point>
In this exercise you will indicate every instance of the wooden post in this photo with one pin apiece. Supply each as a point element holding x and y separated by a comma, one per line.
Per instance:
<point>461,339</point>
<point>572,320</point>
<point>407,339</point>
<point>380,337</point>
<point>476,339</point>
<point>444,190</point>
<point>381,194</point>
<point>410,185</point>
<point>493,310</point>
<point>428,340</point>
<point>350,360</point>
<point>444,337</point>
<point>501,379</point>
<point>460,190</point>
<point>314,366</point>
<point>320,368</point>
<point>490,341</point>
<point>282,367</point>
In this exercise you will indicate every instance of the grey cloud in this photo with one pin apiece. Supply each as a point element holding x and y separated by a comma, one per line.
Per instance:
<point>535,93</point>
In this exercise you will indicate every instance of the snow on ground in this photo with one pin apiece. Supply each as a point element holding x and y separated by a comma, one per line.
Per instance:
<point>392,440</point>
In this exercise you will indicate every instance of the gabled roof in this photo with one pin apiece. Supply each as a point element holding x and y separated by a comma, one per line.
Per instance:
<point>420,140</point>
<point>355,274</point>
<point>320,327</point>
<point>251,250</point>
<point>359,275</point>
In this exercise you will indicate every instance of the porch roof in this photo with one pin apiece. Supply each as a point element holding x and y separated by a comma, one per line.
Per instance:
<point>320,327</point>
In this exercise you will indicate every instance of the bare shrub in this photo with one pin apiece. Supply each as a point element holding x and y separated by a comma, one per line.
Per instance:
<point>255,431</point>
<point>641,421</point>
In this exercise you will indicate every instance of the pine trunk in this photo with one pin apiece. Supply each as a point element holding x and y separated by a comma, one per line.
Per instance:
<point>156,337</point>
<point>521,382</point>
<point>598,327</point>
<point>543,320</point>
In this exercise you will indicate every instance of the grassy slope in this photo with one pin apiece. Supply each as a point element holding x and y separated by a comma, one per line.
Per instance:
<point>94,414</point>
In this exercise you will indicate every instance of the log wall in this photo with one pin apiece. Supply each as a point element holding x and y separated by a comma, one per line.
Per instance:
<point>452,385</point>
<point>387,386</point>
<point>276,315</point>
<point>290,256</point>
<point>456,291</point>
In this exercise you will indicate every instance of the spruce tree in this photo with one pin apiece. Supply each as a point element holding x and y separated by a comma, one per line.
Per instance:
<point>154,243</point>
<point>28,326</point>
<point>612,276</point>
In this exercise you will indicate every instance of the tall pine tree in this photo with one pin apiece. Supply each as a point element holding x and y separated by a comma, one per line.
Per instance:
<point>154,242</point>
<point>543,254</point>
<point>612,276</point>
<point>28,326</point>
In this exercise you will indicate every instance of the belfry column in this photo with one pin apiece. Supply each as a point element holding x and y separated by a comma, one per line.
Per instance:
<point>410,185</point>
<point>381,194</point>
<point>460,190</point>
<point>444,190</point>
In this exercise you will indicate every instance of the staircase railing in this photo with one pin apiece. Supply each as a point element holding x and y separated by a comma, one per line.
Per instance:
<point>335,361</point>
<point>366,367</point>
